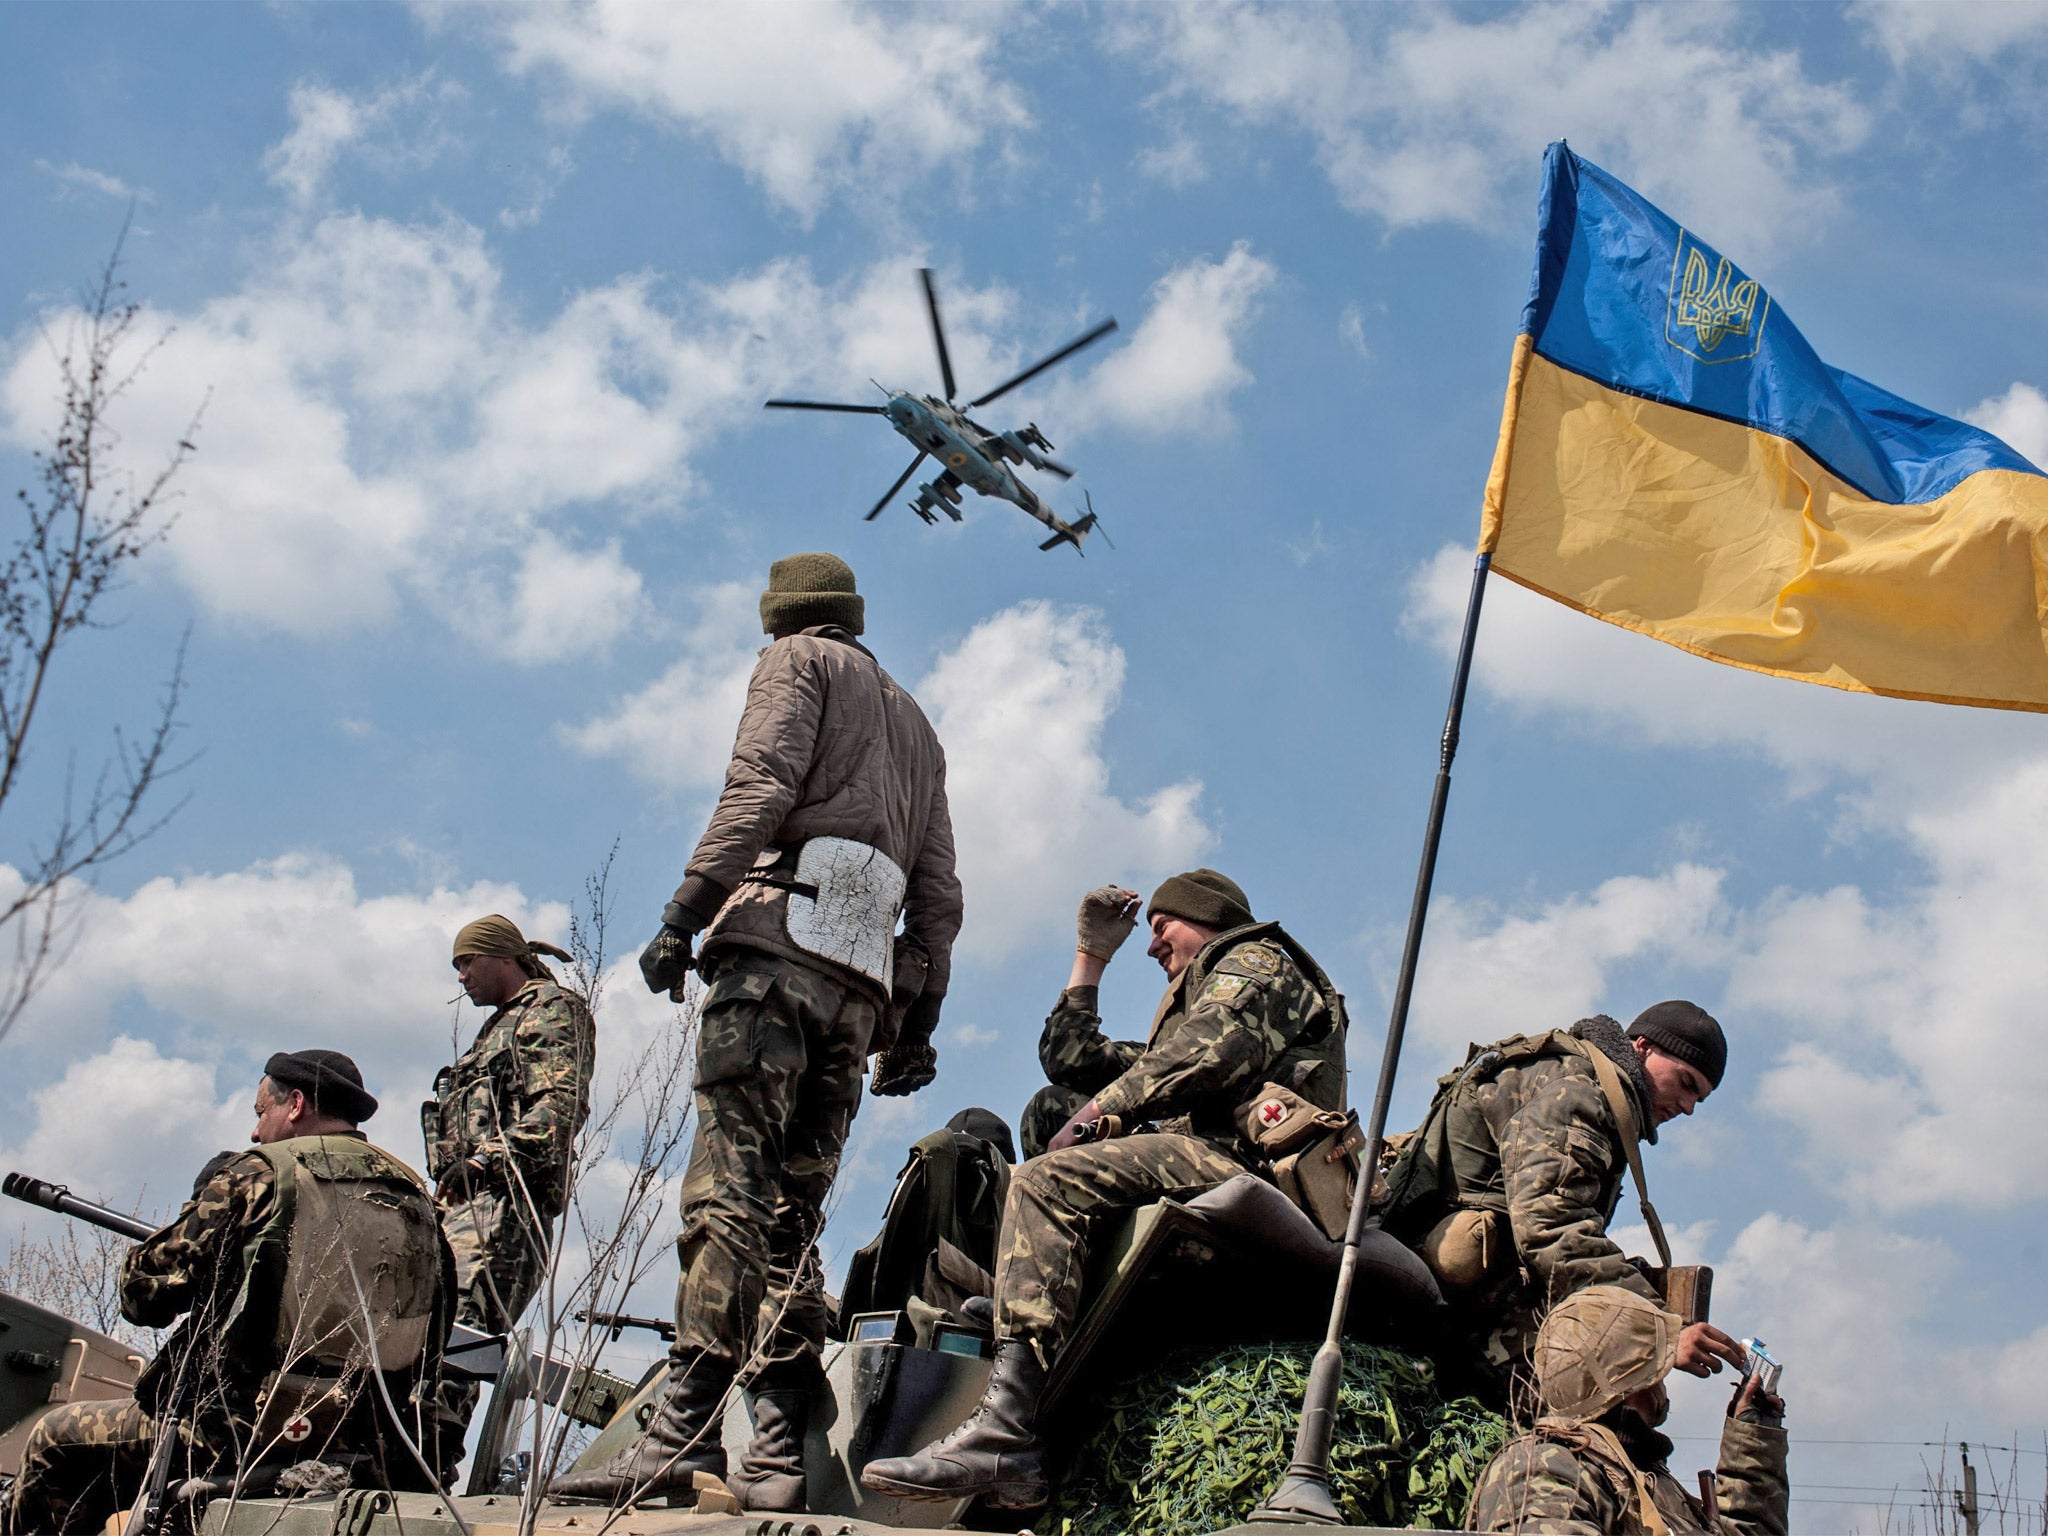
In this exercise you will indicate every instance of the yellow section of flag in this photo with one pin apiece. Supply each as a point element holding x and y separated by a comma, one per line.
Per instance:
<point>1738,545</point>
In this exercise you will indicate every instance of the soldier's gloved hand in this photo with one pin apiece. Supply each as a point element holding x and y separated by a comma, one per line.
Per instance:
<point>1107,916</point>
<point>666,961</point>
<point>912,1062</point>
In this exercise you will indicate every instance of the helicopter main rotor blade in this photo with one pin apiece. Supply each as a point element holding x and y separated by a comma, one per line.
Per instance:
<point>1044,363</point>
<point>890,494</point>
<point>1054,467</point>
<point>931,299</point>
<point>820,405</point>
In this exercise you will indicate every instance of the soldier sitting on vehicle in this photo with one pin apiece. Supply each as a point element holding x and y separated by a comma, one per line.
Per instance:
<point>500,1134</point>
<point>1247,1006</point>
<point>1596,1462</point>
<point>1508,1187</point>
<point>300,1268</point>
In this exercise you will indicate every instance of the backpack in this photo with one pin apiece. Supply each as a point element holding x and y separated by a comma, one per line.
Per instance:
<point>951,1191</point>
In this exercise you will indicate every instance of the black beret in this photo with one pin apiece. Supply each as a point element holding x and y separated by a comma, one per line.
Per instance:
<point>328,1079</point>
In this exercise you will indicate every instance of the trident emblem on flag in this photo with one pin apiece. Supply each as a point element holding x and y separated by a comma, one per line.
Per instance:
<point>1714,301</point>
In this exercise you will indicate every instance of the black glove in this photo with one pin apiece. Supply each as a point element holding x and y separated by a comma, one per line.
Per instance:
<point>665,962</point>
<point>911,1063</point>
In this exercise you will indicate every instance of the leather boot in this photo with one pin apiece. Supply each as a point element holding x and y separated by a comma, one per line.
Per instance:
<point>771,1474</point>
<point>995,1453</point>
<point>682,1439</point>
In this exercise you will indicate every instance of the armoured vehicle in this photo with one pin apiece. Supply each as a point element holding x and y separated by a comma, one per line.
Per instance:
<point>1235,1265</point>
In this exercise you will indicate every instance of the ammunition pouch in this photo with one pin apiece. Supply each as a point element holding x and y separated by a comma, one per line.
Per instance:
<point>1312,1153</point>
<point>438,1157</point>
<point>1466,1249</point>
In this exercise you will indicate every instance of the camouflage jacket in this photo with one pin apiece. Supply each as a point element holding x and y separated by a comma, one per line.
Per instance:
<point>517,1097</point>
<point>1252,1007</point>
<point>1535,1141</point>
<point>1560,1480</point>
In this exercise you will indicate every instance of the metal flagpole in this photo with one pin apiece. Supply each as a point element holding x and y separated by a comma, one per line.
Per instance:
<point>1304,1493</point>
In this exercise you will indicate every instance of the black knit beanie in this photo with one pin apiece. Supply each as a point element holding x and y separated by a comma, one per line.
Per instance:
<point>811,589</point>
<point>1202,896</point>
<point>1687,1031</point>
<point>328,1079</point>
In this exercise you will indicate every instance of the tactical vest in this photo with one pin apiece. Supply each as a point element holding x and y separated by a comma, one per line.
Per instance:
<point>1591,1441</point>
<point>1441,1167</point>
<point>343,1279</point>
<point>1313,1066</point>
<point>476,1095</point>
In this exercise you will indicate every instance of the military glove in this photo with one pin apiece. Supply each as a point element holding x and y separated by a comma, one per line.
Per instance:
<point>1108,914</point>
<point>666,961</point>
<point>911,1063</point>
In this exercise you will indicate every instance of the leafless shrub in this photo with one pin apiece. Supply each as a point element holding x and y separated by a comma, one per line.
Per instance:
<point>75,1271</point>
<point>84,525</point>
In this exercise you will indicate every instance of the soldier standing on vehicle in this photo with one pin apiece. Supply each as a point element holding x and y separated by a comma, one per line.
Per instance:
<point>1246,1005</point>
<point>1508,1187</point>
<point>299,1268</point>
<point>833,822</point>
<point>1595,1461</point>
<point>501,1138</point>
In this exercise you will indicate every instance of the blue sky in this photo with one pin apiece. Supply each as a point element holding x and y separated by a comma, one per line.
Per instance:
<point>482,302</point>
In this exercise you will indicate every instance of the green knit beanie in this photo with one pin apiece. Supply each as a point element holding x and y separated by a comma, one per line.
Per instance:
<point>1202,896</point>
<point>811,589</point>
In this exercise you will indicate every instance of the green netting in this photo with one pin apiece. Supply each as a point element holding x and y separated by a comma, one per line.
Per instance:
<point>1196,1445</point>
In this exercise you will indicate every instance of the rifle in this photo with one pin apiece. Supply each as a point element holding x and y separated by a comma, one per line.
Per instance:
<point>619,1322</point>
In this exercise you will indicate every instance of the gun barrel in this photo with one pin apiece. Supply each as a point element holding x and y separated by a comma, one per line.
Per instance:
<point>55,1197</point>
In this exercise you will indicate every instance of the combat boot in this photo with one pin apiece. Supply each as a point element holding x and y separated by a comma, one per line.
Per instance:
<point>996,1453</point>
<point>771,1472</point>
<point>681,1440</point>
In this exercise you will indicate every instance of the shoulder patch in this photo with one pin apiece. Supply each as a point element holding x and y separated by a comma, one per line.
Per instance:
<point>1252,960</point>
<point>1225,988</point>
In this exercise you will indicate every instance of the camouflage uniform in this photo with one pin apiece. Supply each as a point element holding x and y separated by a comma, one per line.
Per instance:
<point>780,1051</point>
<point>514,1100</point>
<point>1079,1062</point>
<point>1535,1141</point>
<point>1561,1480</point>
<point>1251,1008</point>
<point>84,1461</point>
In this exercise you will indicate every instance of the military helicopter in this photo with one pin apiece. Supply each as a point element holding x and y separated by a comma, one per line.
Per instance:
<point>973,455</point>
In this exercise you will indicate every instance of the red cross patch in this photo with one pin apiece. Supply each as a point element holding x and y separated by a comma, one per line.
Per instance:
<point>297,1428</point>
<point>1272,1112</point>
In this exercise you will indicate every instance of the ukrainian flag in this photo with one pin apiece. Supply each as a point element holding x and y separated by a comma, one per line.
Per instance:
<point>1674,458</point>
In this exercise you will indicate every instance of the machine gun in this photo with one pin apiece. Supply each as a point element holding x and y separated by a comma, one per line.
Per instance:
<point>619,1322</point>
<point>587,1394</point>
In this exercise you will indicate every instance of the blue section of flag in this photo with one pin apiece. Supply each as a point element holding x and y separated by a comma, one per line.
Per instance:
<point>1626,297</point>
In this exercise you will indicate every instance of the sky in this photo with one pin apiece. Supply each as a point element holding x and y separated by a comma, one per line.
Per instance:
<point>477,306</point>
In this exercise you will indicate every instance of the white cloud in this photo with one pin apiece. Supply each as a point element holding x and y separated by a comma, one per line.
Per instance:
<point>1020,705</point>
<point>811,99</point>
<point>562,602</point>
<point>1178,162</point>
<point>72,174</point>
<point>1924,33</point>
<point>677,732</point>
<point>1180,366</point>
<point>2019,417</point>
<point>326,122</point>
<point>1485,974</point>
<point>1351,331</point>
<point>1422,115</point>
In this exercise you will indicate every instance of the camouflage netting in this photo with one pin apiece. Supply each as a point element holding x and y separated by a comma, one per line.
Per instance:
<point>1194,1446</point>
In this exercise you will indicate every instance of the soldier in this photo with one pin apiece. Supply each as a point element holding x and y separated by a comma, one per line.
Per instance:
<point>300,1268</point>
<point>501,1137</point>
<point>1507,1188</point>
<point>833,822</point>
<point>1245,1006</point>
<point>1596,1463</point>
<point>1077,1059</point>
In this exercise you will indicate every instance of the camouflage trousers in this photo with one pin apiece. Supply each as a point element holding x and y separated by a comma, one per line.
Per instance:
<point>84,1462</point>
<point>501,1257</point>
<point>1057,1205</point>
<point>780,1053</point>
<point>1046,1115</point>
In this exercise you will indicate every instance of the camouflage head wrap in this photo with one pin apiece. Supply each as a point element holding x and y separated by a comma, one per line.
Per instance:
<point>495,935</point>
<point>1598,1346</point>
<point>811,589</point>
